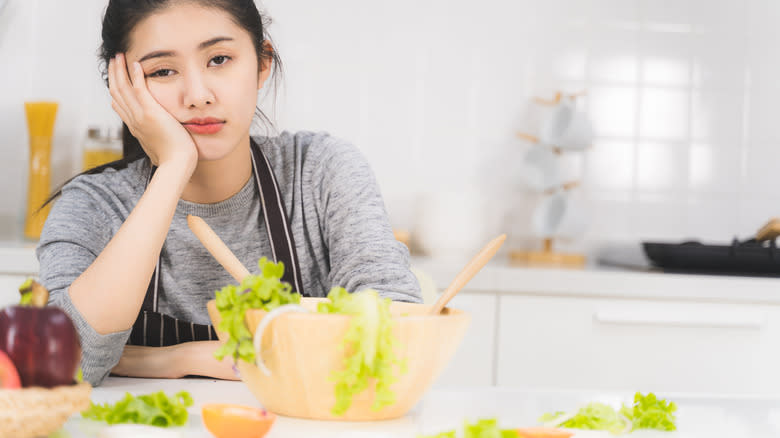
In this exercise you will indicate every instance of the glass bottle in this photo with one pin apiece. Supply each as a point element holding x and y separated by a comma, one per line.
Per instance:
<point>40,124</point>
<point>101,146</point>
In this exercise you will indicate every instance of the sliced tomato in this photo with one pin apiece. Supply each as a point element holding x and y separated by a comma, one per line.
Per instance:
<point>236,421</point>
<point>543,432</point>
<point>9,376</point>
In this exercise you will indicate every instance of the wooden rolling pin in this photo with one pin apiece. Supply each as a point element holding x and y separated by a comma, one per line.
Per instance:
<point>217,248</point>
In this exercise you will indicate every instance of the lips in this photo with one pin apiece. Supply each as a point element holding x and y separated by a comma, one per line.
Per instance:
<point>204,126</point>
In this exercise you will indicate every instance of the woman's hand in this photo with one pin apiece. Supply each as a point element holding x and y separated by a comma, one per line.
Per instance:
<point>163,138</point>
<point>189,358</point>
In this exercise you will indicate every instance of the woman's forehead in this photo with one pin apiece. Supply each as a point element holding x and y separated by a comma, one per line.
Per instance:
<point>182,27</point>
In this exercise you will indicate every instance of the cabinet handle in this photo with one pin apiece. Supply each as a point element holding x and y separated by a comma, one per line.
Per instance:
<point>719,320</point>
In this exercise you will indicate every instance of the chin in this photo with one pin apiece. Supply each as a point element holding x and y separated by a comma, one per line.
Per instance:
<point>212,149</point>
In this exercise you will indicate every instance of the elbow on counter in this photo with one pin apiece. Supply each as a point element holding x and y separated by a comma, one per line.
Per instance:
<point>99,352</point>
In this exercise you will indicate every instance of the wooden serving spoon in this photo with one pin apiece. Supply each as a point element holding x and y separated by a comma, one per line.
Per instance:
<point>230,262</point>
<point>468,272</point>
<point>217,248</point>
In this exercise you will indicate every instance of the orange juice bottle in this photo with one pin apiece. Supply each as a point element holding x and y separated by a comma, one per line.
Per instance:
<point>102,146</point>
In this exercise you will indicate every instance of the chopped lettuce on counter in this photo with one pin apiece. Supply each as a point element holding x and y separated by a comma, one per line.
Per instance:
<point>483,428</point>
<point>594,416</point>
<point>266,291</point>
<point>156,409</point>
<point>650,412</point>
<point>370,347</point>
<point>647,412</point>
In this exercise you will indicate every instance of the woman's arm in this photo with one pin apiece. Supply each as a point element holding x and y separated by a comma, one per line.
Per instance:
<point>189,358</point>
<point>126,264</point>
<point>363,250</point>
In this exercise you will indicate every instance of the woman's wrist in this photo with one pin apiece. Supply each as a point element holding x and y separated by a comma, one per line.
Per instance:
<point>189,358</point>
<point>199,359</point>
<point>179,171</point>
<point>150,362</point>
<point>180,359</point>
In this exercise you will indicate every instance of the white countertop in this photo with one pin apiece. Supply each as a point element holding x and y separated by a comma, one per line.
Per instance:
<point>698,416</point>
<point>17,257</point>
<point>499,276</point>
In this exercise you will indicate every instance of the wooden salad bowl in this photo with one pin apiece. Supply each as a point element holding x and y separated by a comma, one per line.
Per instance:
<point>303,350</point>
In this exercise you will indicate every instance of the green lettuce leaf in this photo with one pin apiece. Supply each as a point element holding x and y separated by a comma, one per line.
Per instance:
<point>60,433</point>
<point>447,434</point>
<point>594,416</point>
<point>266,291</point>
<point>155,409</point>
<point>483,428</point>
<point>647,412</point>
<point>369,345</point>
<point>650,412</point>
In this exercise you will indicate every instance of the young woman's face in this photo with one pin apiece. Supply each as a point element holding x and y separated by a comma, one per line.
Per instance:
<point>202,68</point>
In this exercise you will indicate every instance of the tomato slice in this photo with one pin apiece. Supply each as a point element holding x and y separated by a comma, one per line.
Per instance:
<point>226,420</point>
<point>543,432</point>
<point>9,376</point>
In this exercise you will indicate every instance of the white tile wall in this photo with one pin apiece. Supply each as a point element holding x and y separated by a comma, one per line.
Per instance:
<point>49,53</point>
<point>682,93</point>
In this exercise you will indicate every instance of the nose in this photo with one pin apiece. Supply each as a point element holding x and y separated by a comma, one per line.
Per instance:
<point>196,92</point>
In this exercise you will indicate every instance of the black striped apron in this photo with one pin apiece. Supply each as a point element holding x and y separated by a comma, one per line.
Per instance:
<point>155,329</point>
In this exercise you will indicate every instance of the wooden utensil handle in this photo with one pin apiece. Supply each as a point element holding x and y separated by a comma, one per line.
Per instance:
<point>770,231</point>
<point>468,272</point>
<point>217,247</point>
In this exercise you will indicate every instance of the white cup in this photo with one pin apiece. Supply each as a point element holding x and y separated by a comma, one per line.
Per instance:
<point>452,224</point>
<point>539,168</point>
<point>559,215</point>
<point>566,127</point>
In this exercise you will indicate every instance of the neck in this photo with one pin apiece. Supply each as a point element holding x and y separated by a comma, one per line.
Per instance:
<point>215,181</point>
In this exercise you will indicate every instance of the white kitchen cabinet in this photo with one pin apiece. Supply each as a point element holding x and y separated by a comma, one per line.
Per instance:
<point>638,345</point>
<point>9,289</point>
<point>473,362</point>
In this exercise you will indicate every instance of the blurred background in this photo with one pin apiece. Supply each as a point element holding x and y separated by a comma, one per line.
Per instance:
<point>681,94</point>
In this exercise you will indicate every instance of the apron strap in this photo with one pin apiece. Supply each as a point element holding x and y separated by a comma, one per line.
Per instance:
<point>276,222</point>
<point>150,299</point>
<point>152,328</point>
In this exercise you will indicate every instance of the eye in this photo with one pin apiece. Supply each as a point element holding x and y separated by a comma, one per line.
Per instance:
<point>219,60</point>
<point>163,72</point>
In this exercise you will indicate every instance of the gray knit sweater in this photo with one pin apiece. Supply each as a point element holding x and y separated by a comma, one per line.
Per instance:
<point>342,235</point>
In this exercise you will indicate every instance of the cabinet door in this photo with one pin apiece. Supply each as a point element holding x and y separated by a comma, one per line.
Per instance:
<point>473,362</point>
<point>638,345</point>
<point>9,289</point>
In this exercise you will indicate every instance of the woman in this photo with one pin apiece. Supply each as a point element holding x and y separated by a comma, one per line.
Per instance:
<point>116,252</point>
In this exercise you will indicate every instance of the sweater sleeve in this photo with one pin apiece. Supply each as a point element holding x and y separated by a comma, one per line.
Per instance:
<point>363,252</point>
<point>77,229</point>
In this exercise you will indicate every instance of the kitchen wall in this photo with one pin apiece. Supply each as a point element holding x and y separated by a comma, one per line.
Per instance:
<point>682,94</point>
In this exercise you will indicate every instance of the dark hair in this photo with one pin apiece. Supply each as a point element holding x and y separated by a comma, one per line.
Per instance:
<point>120,19</point>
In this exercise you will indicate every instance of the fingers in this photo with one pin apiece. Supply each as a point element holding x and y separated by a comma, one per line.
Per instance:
<point>117,102</point>
<point>121,112</point>
<point>139,84</point>
<point>125,88</point>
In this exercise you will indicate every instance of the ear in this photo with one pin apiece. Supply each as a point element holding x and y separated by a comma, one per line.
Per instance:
<point>265,65</point>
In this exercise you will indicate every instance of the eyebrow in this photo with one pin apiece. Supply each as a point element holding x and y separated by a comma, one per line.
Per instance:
<point>168,53</point>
